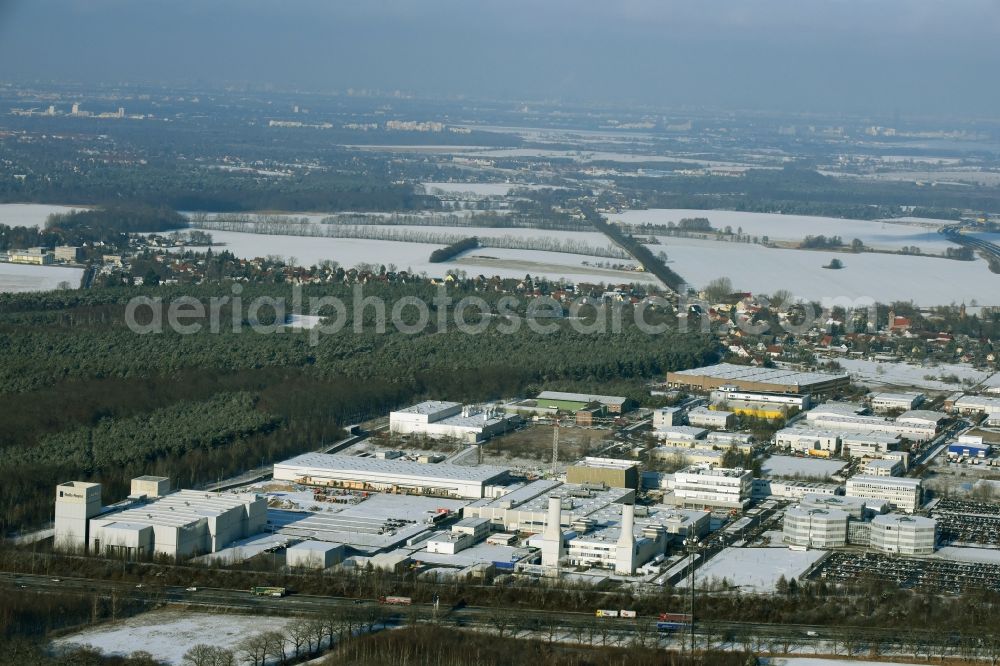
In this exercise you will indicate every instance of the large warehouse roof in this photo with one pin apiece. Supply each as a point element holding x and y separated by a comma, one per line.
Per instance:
<point>397,468</point>
<point>181,508</point>
<point>746,373</point>
<point>581,397</point>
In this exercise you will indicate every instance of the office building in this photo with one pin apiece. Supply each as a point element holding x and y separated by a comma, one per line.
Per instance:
<point>905,494</point>
<point>815,528</point>
<point>713,488</point>
<point>903,535</point>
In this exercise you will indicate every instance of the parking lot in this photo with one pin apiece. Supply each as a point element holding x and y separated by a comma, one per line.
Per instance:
<point>909,573</point>
<point>967,522</point>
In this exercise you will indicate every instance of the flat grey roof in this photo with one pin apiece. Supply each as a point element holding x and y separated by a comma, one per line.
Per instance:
<point>179,508</point>
<point>334,463</point>
<point>885,480</point>
<point>768,375</point>
<point>428,407</point>
<point>581,397</point>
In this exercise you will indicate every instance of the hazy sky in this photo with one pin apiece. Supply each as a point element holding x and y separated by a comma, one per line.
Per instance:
<point>917,56</point>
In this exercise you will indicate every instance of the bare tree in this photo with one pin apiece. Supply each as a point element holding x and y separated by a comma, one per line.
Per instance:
<point>299,633</point>
<point>253,649</point>
<point>200,655</point>
<point>277,646</point>
<point>501,618</point>
<point>317,632</point>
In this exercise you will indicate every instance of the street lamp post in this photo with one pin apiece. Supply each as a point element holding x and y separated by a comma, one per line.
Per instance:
<point>693,546</point>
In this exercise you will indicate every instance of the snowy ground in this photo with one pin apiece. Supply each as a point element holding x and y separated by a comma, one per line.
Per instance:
<point>757,569</point>
<point>826,661</point>
<point>956,554</point>
<point>414,257</point>
<point>873,233</point>
<point>763,270</point>
<point>167,635</point>
<point>791,466</point>
<point>478,189</point>
<point>30,215</point>
<point>16,278</point>
<point>912,376</point>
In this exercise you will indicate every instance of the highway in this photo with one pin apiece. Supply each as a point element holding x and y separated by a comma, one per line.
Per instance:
<point>804,637</point>
<point>953,233</point>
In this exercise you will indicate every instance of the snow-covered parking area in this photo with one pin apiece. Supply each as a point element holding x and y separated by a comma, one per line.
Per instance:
<point>757,569</point>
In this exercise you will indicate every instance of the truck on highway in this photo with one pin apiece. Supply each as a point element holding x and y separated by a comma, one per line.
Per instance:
<point>395,601</point>
<point>606,613</point>
<point>267,591</point>
<point>672,621</point>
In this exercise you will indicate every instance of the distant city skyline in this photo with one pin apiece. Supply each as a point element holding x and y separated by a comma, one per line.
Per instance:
<point>880,57</point>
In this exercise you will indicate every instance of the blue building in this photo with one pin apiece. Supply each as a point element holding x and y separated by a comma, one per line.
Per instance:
<point>969,450</point>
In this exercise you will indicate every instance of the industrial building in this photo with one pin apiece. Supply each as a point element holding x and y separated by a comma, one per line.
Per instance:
<point>903,535</point>
<point>905,494</point>
<point>978,404</point>
<point>76,503</point>
<point>68,253</point>
<point>809,441</point>
<point>573,402</point>
<point>664,417</point>
<point>741,440</point>
<point>680,434</point>
<point>759,404</point>
<point>969,449</point>
<point>178,525</point>
<point>609,472</point>
<point>815,528</point>
<point>882,467</point>
<point>523,509</point>
<point>799,401</point>
<point>38,256</point>
<point>314,555</point>
<point>713,419</point>
<point>396,476</point>
<point>867,444</point>
<point>620,537</point>
<point>706,487</point>
<point>689,455</point>
<point>751,378</point>
<point>436,419</point>
<point>917,425</point>
<point>763,488</point>
<point>888,402</point>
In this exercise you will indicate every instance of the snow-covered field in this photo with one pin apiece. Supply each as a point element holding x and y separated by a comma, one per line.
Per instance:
<point>883,277</point>
<point>30,215</point>
<point>873,233</point>
<point>16,278</point>
<point>791,466</point>
<point>414,257</point>
<point>915,376</point>
<point>757,569</point>
<point>167,635</point>
<point>478,189</point>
